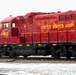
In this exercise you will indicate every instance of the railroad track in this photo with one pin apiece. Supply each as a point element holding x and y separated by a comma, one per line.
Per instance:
<point>37,60</point>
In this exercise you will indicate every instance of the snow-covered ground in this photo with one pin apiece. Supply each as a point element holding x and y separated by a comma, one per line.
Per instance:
<point>37,69</point>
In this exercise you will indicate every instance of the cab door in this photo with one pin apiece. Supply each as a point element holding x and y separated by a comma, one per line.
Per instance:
<point>14,33</point>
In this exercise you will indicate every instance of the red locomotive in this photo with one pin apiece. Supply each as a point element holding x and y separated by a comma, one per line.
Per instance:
<point>39,33</point>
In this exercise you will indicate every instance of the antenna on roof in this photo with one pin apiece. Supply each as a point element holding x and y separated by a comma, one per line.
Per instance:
<point>10,15</point>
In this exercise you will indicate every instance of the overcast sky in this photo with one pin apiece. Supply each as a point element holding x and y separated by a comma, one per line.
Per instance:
<point>21,7</point>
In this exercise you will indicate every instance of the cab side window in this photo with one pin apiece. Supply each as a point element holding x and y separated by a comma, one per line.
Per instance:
<point>13,24</point>
<point>5,25</point>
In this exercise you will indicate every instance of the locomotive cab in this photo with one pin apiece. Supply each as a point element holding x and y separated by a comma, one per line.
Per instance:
<point>10,31</point>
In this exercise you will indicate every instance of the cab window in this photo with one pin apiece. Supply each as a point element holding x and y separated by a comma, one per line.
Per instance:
<point>13,24</point>
<point>5,25</point>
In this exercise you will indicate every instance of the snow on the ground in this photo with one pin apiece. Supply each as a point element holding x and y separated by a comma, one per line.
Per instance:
<point>37,69</point>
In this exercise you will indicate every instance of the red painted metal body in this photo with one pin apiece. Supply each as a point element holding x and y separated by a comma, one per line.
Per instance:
<point>50,28</point>
<point>40,28</point>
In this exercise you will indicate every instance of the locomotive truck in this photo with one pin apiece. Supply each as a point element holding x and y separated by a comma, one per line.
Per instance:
<point>38,33</point>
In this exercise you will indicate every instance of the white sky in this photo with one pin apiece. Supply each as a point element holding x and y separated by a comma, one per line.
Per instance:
<point>21,7</point>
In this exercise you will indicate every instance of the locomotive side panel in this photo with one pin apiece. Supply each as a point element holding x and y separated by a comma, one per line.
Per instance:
<point>62,36</point>
<point>53,37</point>
<point>28,38</point>
<point>44,37</point>
<point>37,37</point>
<point>72,36</point>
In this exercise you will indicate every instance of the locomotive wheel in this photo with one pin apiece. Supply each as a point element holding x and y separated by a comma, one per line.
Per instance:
<point>57,55</point>
<point>68,54</point>
<point>25,56</point>
<point>11,54</point>
<point>14,55</point>
<point>41,52</point>
<point>0,55</point>
<point>75,55</point>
